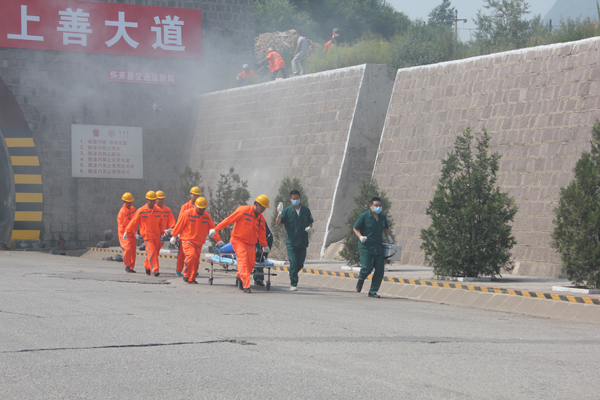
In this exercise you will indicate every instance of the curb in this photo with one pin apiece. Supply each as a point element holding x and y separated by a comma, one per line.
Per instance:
<point>482,289</point>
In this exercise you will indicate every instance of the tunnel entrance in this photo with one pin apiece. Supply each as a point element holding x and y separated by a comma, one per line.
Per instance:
<point>7,193</point>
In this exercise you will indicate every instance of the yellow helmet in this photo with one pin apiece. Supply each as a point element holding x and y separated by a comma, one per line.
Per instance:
<point>127,197</point>
<point>160,194</point>
<point>151,195</point>
<point>201,202</point>
<point>263,200</point>
<point>195,190</point>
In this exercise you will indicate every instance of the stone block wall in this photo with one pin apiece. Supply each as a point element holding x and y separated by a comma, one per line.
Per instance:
<point>322,128</point>
<point>539,105</point>
<point>57,89</point>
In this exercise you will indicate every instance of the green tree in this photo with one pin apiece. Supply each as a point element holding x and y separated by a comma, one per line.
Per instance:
<point>181,193</point>
<point>231,192</point>
<point>576,233</point>
<point>505,28</point>
<point>283,196</point>
<point>280,15</point>
<point>470,232</point>
<point>442,14</point>
<point>369,188</point>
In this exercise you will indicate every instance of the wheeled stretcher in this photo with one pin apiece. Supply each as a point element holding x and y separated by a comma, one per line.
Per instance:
<point>225,261</point>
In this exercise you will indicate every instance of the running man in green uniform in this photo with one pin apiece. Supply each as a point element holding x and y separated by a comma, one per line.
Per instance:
<point>298,221</point>
<point>369,228</point>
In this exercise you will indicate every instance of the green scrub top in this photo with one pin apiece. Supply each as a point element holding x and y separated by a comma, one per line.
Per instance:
<point>373,229</point>
<point>295,226</point>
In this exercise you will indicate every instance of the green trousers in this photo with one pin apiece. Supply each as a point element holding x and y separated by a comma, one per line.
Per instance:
<point>368,263</point>
<point>258,274</point>
<point>297,257</point>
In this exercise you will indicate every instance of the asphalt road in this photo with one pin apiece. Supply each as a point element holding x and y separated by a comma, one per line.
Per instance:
<point>74,328</point>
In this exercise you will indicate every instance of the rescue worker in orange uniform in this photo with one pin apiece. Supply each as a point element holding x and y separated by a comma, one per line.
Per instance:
<point>276,63</point>
<point>168,219</point>
<point>149,219</point>
<point>248,229</point>
<point>246,77</point>
<point>194,194</point>
<point>128,245</point>
<point>192,227</point>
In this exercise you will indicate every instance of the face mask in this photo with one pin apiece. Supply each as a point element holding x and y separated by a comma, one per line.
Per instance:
<point>377,210</point>
<point>296,202</point>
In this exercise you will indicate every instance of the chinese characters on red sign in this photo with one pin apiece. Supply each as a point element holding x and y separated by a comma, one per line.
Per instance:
<point>106,152</point>
<point>94,27</point>
<point>121,75</point>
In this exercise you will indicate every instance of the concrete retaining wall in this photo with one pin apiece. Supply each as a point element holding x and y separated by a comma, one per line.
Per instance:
<point>539,105</point>
<point>323,128</point>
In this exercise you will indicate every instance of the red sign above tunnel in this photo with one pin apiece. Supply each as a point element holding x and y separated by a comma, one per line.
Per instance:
<point>93,27</point>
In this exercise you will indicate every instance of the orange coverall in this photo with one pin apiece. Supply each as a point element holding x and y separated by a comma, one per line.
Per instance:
<point>275,61</point>
<point>181,254</point>
<point>128,245</point>
<point>151,226</point>
<point>248,229</point>
<point>193,229</point>
<point>168,221</point>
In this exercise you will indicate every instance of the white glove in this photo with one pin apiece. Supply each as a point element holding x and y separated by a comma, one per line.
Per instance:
<point>168,232</point>
<point>125,236</point>
<point>266,249</point>
<point>363,239</point>
<point>212,233</point>
<point>307,229</point>
<point>220,243</point>
<point>279,208</point>
<point>390,240</point>
<point>173,240</point>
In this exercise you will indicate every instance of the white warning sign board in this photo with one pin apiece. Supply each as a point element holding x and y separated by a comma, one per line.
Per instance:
<point>106,152</point>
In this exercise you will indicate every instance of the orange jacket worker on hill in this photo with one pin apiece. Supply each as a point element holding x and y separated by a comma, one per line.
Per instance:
<point>276,63</point>
<point>168,219</point>
<point>193,226</point>
<point>249,228</point>
<point>149,219</point>
<point>194,194</point>
<point>246,77</point>
<point>128,245</point>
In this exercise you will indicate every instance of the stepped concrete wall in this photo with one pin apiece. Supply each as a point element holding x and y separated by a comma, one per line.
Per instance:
<point>538,104</point>
<point>322,128</point>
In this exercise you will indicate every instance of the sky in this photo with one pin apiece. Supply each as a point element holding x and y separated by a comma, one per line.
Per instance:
<point>466,9</point>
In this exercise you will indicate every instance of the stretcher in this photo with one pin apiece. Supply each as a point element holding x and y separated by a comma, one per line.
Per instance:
<point>225,261</point>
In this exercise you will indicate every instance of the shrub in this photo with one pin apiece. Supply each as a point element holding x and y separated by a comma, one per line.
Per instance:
<point>470,231</point>
<point>576,233</point>
<point>181,192</point>
<point>369,188</point>
<point>231,192</point>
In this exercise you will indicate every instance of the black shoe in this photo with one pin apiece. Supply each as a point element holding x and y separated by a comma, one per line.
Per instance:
<point>238,283</point>
<point>196,282</point>
<point>185,279</point>
<point>127,269</point>
<point>359,285</point>
<point>374,295</point>
<point>247,290</point>
<point>259,282</point>
<point>157,274</point>
<point>148,272</point>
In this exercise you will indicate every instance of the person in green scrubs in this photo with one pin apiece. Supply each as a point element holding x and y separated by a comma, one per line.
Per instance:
<point>369,228</point>
<point>298,221</point>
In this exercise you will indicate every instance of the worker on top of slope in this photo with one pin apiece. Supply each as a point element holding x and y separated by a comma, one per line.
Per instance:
<point>246,77</point>
<point>168,219</point>
<point>149,219</point>
<point>192,227</point>
<point>125,214</point>
<point>276,63</point>
<point>194,194</point>
<point>248,229</point>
